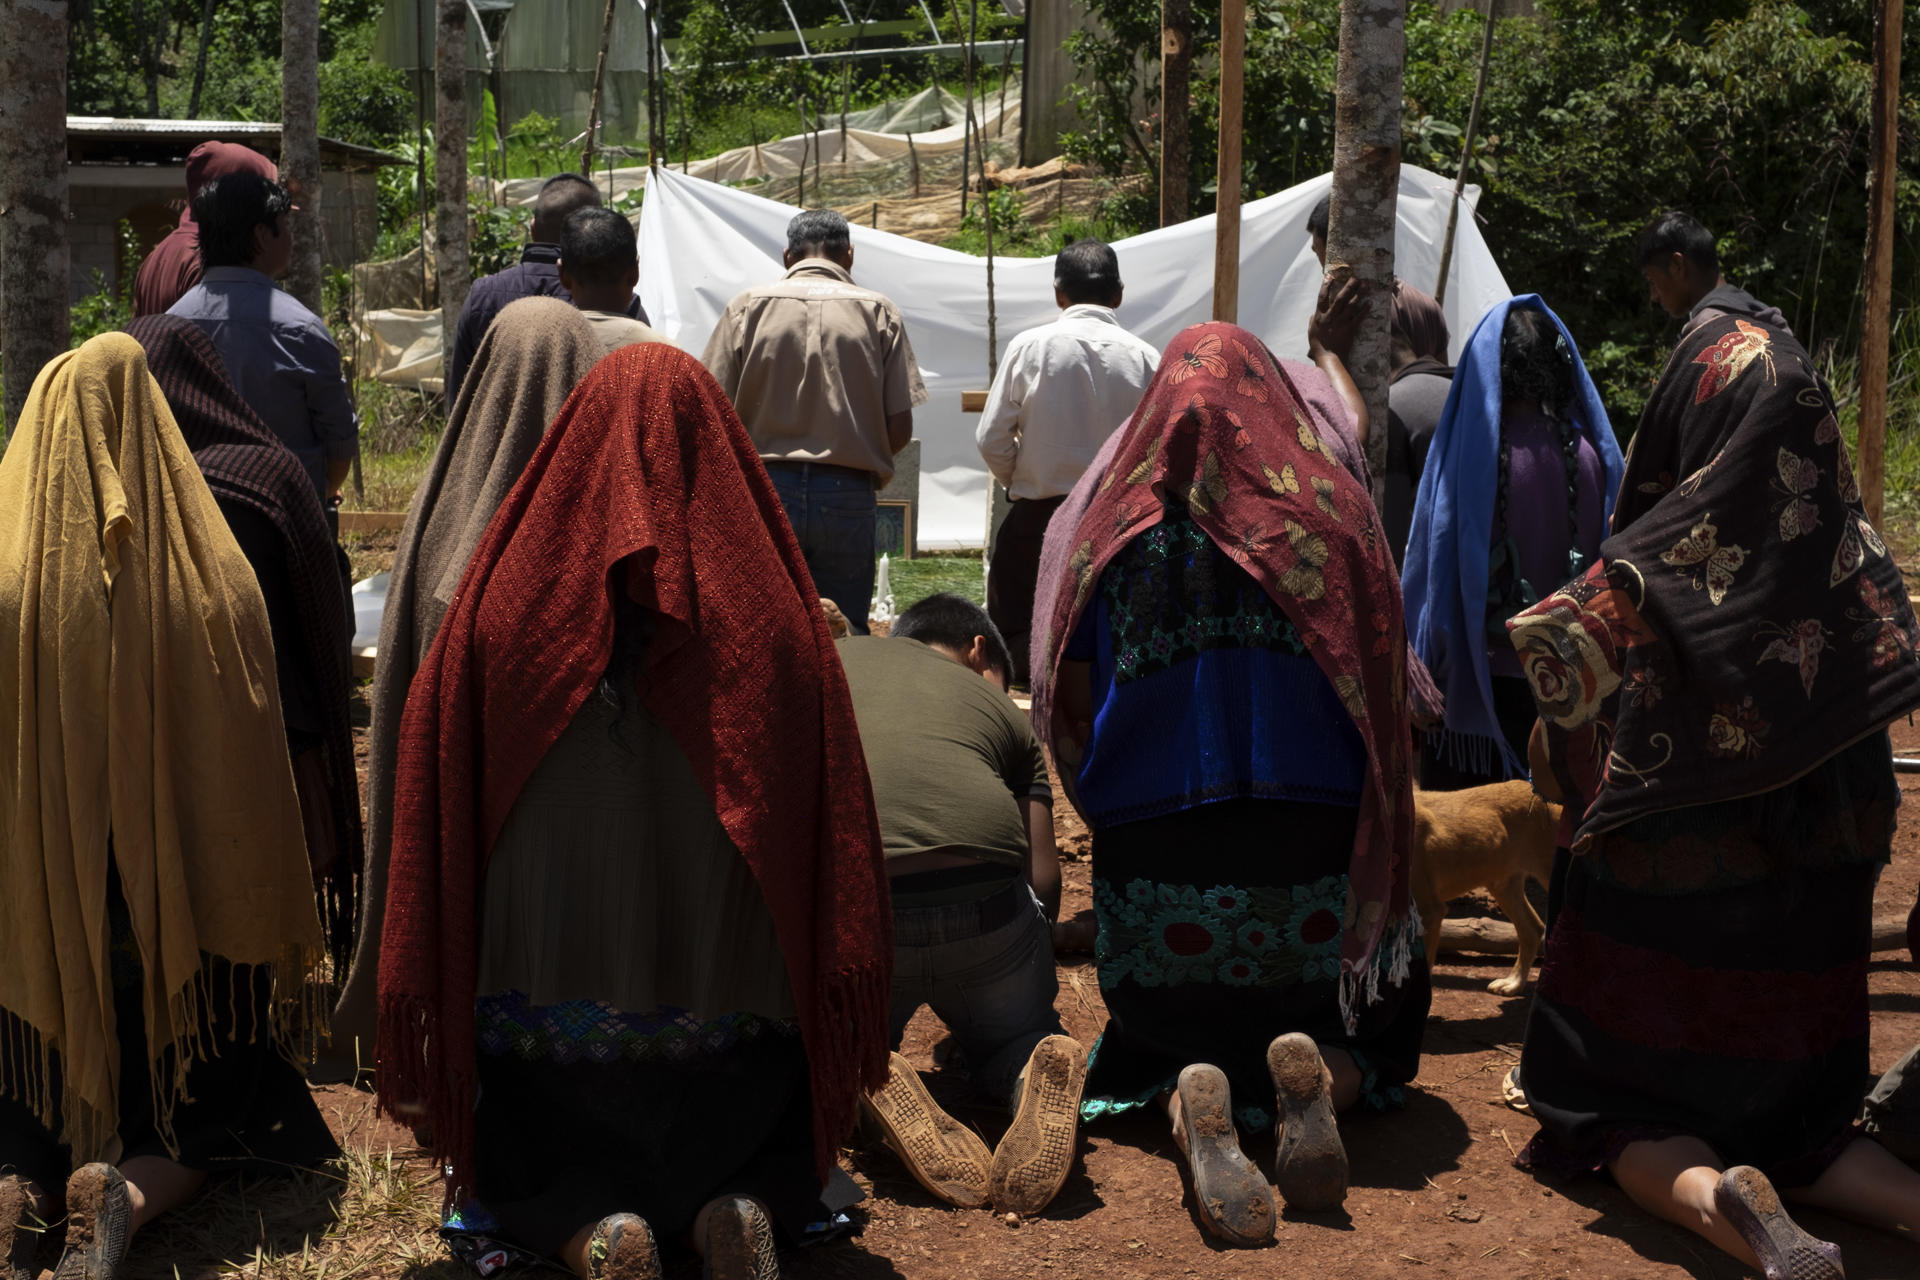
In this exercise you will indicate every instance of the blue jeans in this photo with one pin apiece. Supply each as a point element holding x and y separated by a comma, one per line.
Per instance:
<point>986,967</point>
<point>831,510</point>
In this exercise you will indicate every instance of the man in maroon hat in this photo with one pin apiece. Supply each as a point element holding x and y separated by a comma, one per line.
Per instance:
<point>174,265</point>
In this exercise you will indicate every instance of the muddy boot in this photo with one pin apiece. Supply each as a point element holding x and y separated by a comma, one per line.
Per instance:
<point>1751,1207</point>
<point>943,1155</point>
<point>22,1228</point>
<point>1310,1163</point>
<point>1234,1201</point>
<point>739,1243</point>
<point>1036,1153</point>
<point>622,1248</point>
<point>99,1224</point>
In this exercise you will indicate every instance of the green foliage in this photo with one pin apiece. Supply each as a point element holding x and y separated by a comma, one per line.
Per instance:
<point>361,101</point>
<point>107,308</point>
<point>494,237</point>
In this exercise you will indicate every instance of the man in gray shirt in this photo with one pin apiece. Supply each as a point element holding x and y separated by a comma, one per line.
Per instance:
<point>279,355</point>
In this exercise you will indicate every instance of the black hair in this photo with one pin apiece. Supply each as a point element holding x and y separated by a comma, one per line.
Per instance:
<point>1087,271</point>
<point>818,231</point>
<point>228,209</point>
<point>1322,212</point>
<point>559,197</point>
<point>598,245</point>
<point>1681,233</point>
<point>1535,363</point>
<point>952,622</point>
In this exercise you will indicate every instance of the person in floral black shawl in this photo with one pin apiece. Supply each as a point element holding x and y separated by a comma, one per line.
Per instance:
<point>1714,695</point>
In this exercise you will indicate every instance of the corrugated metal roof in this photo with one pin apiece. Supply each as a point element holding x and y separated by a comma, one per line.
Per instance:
<point>187,134</point>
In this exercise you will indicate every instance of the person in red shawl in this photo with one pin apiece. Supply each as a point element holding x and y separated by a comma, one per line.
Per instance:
<point>1714,694</point>
<point>1225,693</point>
<point>173,266</point>
<point>633,819</point>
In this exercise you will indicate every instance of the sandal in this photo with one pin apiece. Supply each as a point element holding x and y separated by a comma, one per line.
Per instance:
<point>21,1229</point>
<point>622,1248</point>
<point>1036,1153</point>
<point>1752,1207</point>
<point>99,1224</point>
<point>1233,1200</point>
<point>1310,1162</point>
<point>944,1156</point>
<point>739,1243</point>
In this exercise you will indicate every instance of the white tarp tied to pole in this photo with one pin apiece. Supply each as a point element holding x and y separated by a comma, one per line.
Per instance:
<point>701,244</point>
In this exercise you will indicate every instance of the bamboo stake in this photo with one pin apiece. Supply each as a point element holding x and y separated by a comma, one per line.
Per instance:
<point>599,84</point>
<point>986,204</point>
<point>1176,61</point>
<point>1881,180</point>
<point>1226,205</point>
<point>1466,153</point>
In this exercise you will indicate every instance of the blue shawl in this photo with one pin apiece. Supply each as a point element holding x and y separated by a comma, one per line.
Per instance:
<point>1445,578</point>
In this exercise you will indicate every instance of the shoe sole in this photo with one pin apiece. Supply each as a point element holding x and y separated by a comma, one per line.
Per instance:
<point>944,1156</point>
<point>1036,1153</point>
<point>1310,1163</point>
<point>1234,1201</point>
<point>1752,1207</point>
<point>19,1239</point>
<point>632,1253</point>
<point>740,1243</point>
<point>99,1223</point>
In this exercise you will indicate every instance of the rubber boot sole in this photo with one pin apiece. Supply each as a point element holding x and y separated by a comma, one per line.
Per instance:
<point>1234,1201</point>
<point>943,1155</point>
<point>1752,1207</point>
<point>1310,1163</point>
<point>623,1248</point>
<point>740,1243</point>
<point>20,1230</point>
<point>99,1224</point>
<point>1036,1153</point>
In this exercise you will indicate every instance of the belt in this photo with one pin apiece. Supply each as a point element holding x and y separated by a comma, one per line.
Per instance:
<point>928,926</point>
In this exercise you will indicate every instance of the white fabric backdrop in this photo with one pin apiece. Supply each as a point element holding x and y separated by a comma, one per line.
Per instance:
<point>701,244</point>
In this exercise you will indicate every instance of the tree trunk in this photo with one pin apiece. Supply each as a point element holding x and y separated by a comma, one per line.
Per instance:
<point>1885,142</point>
<point>599,85</point>
<point>450,161</point>
<point>1226,204</point>
<point>200,59</point>
<point>300,141</point>
<point>1466,153</point>
<point>33,193</point>
<point>1366,184</point>
<point>1176,63</point>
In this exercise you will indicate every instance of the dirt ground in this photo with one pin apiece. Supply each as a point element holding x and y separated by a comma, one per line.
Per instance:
<point>1434,1190</point>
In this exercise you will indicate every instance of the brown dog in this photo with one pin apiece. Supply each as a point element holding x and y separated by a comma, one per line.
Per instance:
<point>1493,837</point>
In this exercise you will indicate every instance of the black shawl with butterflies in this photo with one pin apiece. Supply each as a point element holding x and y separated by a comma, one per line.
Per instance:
<point>1745,622</point>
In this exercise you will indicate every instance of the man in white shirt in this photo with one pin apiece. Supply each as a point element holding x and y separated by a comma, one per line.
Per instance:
<point>1062,389</point>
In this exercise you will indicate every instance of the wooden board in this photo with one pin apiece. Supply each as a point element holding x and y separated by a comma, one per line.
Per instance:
<point>972,401</point>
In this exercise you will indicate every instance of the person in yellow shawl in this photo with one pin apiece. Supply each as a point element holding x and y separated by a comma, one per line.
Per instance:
<point>155,898</point>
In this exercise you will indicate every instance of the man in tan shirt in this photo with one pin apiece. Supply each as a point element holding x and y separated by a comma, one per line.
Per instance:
<point>824,378</point>
<point>599,267</point>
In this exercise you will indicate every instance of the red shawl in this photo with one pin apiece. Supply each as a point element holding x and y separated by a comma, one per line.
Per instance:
<point>1221,430</point>
<point>646,482</point>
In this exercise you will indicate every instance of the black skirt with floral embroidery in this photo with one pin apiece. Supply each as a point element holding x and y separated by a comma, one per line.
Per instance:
<point>1220,930</point>
<point>1705,974</point>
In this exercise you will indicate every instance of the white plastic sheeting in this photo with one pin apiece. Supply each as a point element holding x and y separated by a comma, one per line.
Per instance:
<point>402,347</point>
<point>702,243</point>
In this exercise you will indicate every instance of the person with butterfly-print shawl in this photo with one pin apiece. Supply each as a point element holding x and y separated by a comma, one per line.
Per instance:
<point>1223,686</point>
<point>1714,694</point>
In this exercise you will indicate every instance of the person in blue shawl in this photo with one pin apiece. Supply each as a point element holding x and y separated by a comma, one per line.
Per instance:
<point>1514,501</point>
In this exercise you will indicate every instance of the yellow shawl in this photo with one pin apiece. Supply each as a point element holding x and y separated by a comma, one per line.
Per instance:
<point>137,708</point>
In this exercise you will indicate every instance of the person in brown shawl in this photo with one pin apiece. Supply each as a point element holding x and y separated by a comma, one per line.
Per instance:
<point>1714,695</point>
<point>532,357</point>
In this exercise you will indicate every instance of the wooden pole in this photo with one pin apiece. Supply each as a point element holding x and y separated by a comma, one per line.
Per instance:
<point>1176,62</point>
<point>450,241</point>
<point>424,52</point>
<point>599,85</point>
<point>1366,187</point>
<point>1226,205</point>
<point>1466,153</point>
<point>1881,179</point>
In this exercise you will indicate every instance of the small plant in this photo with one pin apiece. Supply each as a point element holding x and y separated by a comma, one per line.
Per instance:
<point>107,308</point>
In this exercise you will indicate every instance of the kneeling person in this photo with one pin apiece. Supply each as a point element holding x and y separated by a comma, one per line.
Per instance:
<point>966,820</point>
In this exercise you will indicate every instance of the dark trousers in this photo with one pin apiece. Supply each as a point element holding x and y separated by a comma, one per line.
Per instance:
<point>831,509</point>
<point>1015,572</point>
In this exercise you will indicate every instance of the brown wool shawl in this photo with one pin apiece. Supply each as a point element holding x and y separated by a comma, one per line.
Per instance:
<point>143,726</point>
<point>534,354</point>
